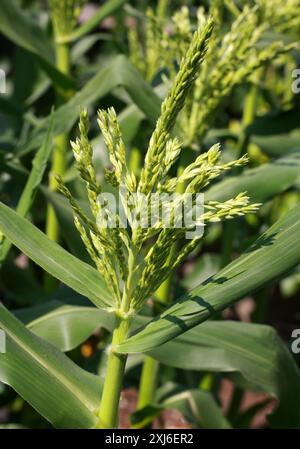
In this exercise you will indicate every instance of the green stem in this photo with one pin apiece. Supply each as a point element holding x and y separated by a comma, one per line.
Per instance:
<point>162,8</point>
<point>108,415</point>
<point>148,382</point>
<point>63,58</point>
<point>248,116</point>
<point>58,167</point>
<point>59,158</point>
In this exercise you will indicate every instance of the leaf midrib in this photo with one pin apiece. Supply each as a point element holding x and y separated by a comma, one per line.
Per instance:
<point>62,310</point>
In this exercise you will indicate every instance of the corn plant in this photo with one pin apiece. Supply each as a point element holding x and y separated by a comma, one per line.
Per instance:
<point>116,266</point>
<point>233,57</point>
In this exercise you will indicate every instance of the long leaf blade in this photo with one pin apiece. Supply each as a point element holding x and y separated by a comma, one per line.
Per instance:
<point>251,351</point>
<point>63,393</point>
<point>24,32</point>
<point>261,264</point>
<point>63,325</point>
<point>53,258</point>
<point>120,73</point>
<point>17,27</point>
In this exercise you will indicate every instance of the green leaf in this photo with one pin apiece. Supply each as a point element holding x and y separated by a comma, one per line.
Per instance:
<point>279,122</point>
<point>80,48</point>
<point>20,286</point>
<point>68,326</point>
<point>276,133</point>
<point>200,408</point>
<point>39,165</point>
<point>254,352</point>
<point>59,390</point>
<point>24,32</point>
<point>278,145</point>
<point>65,326</point>
<point>130,119</point>
<point>273,254</point>
<point>104,11</point>
<point>207,265</point>
<point>261,183</point>
<point>53,258</point>
<point>119,73</point>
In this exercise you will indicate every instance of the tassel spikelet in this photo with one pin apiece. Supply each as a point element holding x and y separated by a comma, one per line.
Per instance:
<point>232,58</point>
<point>134,260</point>
<point>171,107</point>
